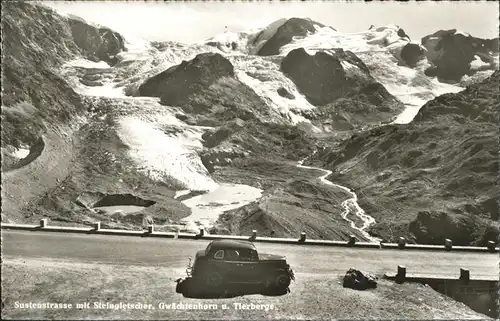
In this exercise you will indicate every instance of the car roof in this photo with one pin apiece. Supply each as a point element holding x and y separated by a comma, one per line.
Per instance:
<point>232,244</point>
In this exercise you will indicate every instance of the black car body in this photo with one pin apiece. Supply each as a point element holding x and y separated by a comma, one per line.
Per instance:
<point>225,263</point>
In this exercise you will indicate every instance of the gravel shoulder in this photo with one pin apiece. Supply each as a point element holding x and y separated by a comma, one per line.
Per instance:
<point>34,280</point>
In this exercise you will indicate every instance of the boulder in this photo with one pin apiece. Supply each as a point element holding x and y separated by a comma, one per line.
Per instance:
<point>358,280</point>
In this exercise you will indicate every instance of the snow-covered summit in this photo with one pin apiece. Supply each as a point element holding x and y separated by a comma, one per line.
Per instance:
<point>253,40</point>
<point>459,32</point>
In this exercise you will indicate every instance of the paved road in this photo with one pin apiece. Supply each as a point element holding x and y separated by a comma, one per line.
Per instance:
<point>174,253</point>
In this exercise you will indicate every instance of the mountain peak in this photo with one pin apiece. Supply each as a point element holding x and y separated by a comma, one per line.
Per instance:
<point>293,27</point>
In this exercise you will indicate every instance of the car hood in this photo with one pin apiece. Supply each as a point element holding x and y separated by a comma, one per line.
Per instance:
<point>271,257</point>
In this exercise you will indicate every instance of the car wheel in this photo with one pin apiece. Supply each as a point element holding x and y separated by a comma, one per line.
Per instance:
<point>280,280</point>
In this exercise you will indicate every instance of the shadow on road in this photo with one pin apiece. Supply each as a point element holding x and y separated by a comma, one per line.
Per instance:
<point>190,288</point>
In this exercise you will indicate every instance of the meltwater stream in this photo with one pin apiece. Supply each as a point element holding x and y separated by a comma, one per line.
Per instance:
<point>350,205</point>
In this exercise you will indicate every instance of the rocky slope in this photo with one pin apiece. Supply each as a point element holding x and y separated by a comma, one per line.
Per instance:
<point>33,94</point>
<point>72,149</point>
<point>289,208</point>
<point>433,178</point>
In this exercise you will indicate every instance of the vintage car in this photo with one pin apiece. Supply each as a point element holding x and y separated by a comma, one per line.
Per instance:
<point>229,263</point>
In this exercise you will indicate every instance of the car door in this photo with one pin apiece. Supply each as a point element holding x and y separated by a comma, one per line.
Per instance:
<point>216,261</point>
<point>247,266</point>
<point>233,266</point>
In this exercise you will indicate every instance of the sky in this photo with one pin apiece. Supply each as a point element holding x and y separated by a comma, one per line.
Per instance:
<point>194,21</point>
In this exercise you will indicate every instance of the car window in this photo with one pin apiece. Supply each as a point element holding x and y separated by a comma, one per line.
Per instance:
<point>232,255</point>
<point>248,255</point>
<point>208,248</point>
<point>219,255</point>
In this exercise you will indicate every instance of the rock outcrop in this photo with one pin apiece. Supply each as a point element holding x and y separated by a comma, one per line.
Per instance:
<point>207,90</point>
<point>476,104</point>
<point>412,53</point>
<point>175,85</point>
<point>215,138</point>
<point>285,93</point>
<point>451,53</point>
<point>341,84</point>
<point>327,76</point>
<point>239,139</point>
<point>96,43</point>
<point>402,34</point>
<point>323,77</point>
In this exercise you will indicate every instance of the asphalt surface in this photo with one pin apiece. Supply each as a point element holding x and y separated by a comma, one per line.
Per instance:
<point>304,259</point>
